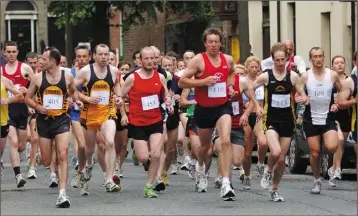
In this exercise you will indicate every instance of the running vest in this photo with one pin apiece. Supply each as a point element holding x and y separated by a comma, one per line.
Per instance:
<point>144,100</point>
<point>237,104</point>
<point>292,59</point>
<point>342,114</point>
<point>215,95</point>
<point>102,88</point>
<point>190,108</point>
<point>278,103</point>
<point>259,94</point>
<point>4,108</point>
<point>53,97</point>
<point>17,79</point>
<point>354,107</point>
<point>320,93</point>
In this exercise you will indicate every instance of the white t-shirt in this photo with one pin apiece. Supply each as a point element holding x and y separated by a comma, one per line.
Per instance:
<point>268,64</point>
<point>354,71</point>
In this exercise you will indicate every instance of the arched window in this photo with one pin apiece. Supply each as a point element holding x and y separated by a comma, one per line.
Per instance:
<point>20,6</point>
<point>21,17</point>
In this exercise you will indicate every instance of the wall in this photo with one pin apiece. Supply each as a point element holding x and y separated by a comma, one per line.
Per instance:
<point>255,27</point>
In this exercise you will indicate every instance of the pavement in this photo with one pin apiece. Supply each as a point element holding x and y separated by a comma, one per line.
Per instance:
<point>36,198</point>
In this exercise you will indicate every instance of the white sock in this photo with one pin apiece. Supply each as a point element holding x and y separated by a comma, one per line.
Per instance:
<point>62,191</point>
<point>193,162</point>
<point>53,174</point>
<point>226,180</point>
<point>317,180</point>
<point>200,168</point>
<point>187,158</point>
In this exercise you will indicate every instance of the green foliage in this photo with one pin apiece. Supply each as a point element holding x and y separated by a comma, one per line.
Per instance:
<point>71,11</point>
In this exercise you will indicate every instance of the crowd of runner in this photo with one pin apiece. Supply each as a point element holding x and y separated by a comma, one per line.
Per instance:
<point>161,104</point>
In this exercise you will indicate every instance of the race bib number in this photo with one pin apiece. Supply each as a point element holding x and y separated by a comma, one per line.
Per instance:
<point>280,101</point>
<point>103,96</point>
<point>235,108</point>
<point>150,102</point>
<point>52,102</point>
<point>217,91</point>
<point>259,93</point>
<point>319,92</point>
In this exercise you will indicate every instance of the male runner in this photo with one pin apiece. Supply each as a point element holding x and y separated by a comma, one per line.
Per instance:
<point>54,87</point>
<point>6,85</point>
<point>146,88</point>
<point>19,75</point>
<point>83,56</point>
<point>211,70</point>
<point>278,121</point>
<point>32,60</point>
<point>318,118</point>
<point>63,62</point>
<point>99,83</point>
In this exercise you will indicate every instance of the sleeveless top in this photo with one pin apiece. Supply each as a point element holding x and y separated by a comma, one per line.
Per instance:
<point>215,95</point>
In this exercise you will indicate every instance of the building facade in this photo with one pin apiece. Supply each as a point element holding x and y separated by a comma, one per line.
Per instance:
<point>326,24</point>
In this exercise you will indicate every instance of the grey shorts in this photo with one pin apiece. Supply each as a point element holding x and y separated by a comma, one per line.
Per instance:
<point>237,137</point>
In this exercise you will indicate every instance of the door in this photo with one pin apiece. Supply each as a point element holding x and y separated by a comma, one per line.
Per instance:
<point>21,34</point>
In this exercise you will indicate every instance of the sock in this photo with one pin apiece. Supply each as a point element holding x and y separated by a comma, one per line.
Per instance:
<point>226,180</point>
<point>53,174</point>
<point>200,168</point>
<point>148,185</point>
<point>62,191</point>
<point>16,171</point>
<point>187,158</point>
<point>316,180</point>
<point>193,162</point>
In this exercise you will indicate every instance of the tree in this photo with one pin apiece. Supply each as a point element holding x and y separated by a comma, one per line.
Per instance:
<point>71,13</point>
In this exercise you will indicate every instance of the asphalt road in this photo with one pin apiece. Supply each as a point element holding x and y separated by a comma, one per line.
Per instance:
<point>36,198</point>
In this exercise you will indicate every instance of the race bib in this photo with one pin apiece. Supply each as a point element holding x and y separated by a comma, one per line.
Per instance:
<point>150,102</point>
<point>103,96</point>
<point>259,93</point>
<point>217,91</point>
<point>280,101</point>
<point>52,102</point>
<point>319,92</point>
<point>235,108</point>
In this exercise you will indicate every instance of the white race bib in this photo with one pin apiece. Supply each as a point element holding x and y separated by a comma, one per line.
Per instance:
<point>235,107</point>
<point>259,93</point>
<point>52,102</point>
<point>217,91</point>
<point>280,101</point>
<point>103,96</point>
<point>150,102</point>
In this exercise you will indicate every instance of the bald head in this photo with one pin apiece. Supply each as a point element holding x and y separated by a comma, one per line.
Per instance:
<point>158,59</point>
<point>289,46</point>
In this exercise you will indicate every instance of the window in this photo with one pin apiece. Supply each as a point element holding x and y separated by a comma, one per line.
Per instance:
<point>20,6</point>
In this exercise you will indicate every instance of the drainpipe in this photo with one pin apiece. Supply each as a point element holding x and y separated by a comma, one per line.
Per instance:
<point>353,24</point>
<point>278,21</point>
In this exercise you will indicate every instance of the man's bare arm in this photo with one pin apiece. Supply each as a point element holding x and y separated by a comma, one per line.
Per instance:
<point>186,80</point>
<point>183,100</point>
<point>128,83</point>
<point>261,80</point>
<point>28,72</point>
<point>29,98</point>
<point>72,88</point>
<point>18,96</point>
<point>250,93</point>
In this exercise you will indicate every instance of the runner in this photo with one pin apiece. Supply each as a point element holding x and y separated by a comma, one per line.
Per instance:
<point>188,54</point>
<point>211,70</point>
<point>6,85</point>
<point>254,126</point>
<point>343,120</point>
<point>240,118</point>
<point>99,83</point>
<point>19,75</point>
<point>146,88</point>
<point>278,121</point>
<point>318,118</point>
<point>83,56</point>
<point>54,87</point>
<point>33,148</point>
<point>63,62</point>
